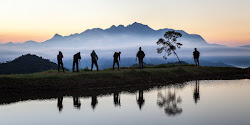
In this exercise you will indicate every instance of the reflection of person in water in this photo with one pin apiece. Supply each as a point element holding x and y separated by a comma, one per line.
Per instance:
<point>76,102</point>
<point>117,99</point>
<point>197,91</point>
<point>60,103</point>
<point>94,101</point>
<point>140,100</point>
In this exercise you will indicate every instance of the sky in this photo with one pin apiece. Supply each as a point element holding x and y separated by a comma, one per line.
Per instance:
<point>224,22</point>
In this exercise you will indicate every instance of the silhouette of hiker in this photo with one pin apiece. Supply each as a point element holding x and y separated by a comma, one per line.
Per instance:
<point>59,61</point>
<point>76,60</point>
<point>140,100</point>
<point>140,55</point>
<point>76,102</point>
<point>196,55</point>
<point>197,91</point>
<point>117,99</point>
<point>94,101</point>
<point>116,57</point>
<point>60,103</point>
<point>94,59</point>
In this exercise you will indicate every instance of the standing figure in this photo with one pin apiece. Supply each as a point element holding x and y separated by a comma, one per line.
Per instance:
<point>59,61</point>
<point>76,59</point>
<point>140,55</point>
<point>94,59</point>
<point>116,56</point>
<point>196,55</point>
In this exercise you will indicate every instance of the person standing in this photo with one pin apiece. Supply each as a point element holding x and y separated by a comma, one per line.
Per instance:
<point>140,55</point>
<point>196,55</point>
<point>94,59</point>
<point>116,57</point>
<point>59,61</point>
<point>76,59</point>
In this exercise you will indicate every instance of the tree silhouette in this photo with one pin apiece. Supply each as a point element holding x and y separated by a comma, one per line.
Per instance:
<point>169,44</point>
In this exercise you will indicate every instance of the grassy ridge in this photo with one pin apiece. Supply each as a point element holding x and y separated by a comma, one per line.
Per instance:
<point>127,77</point>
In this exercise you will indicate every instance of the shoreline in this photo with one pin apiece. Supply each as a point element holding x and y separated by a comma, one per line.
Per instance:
<point>51,84</point>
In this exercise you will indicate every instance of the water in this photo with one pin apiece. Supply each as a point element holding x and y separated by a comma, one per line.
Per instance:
<point>220,102</point>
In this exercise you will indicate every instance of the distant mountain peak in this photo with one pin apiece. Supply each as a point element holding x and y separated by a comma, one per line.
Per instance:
<point>139,26</point>
<point>30,41</point>
<point>57,36</point>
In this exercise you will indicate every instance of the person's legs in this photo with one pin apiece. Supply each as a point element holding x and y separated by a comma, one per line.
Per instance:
<point>92,65</point>
<point>198,62</point>
<point>142,63</point>
<point>139,63</point>
<point>62,66</point>
<point>74,66</point>
<point>118,65</point>
<point>195,61</point>
<point>58,66</point>
<point>113,64</point>
<point>77,68</point>
<point>97,68</point>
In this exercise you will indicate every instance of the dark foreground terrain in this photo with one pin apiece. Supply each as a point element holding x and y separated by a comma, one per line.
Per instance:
<point>51,84</point>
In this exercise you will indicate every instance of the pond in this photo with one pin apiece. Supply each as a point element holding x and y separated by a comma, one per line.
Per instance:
<point>207,102</point>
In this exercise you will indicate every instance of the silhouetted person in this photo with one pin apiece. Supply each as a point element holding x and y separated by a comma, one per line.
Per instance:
<point>94,101</point>
<point>76,59</point>
<point>76,102</point>
<point>140,100</point>
<point>196,55</point>
<point>197,91</point>
<point>117,101</point>
<point>140,55</point>
<point>94,59</point>
<point>60,103</point>
<point>59,61</point>
<point>117,58</point>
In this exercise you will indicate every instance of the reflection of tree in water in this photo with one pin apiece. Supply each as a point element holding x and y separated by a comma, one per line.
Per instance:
<point>170,103</point>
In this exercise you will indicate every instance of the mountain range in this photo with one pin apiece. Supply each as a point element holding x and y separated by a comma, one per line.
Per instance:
<point>115,35</point>
<point>126,39</point>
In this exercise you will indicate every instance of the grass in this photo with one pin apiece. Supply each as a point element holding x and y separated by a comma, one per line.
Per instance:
<point>51,84</point>
<point>126,77</point>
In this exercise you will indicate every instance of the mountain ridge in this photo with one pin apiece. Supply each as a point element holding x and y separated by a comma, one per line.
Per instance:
<point>135,31</point>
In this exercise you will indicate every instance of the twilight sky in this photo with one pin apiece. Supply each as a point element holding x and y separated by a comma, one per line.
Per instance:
<point>224,22</point>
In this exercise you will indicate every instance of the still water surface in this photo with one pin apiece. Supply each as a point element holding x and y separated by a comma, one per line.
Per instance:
<point>220,102</point>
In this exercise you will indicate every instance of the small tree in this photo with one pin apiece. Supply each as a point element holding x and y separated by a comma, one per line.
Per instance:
<point>169,44</point>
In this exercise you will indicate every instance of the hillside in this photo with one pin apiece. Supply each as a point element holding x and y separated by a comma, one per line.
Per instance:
<point>27,64</point>
<point>51,81</point>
